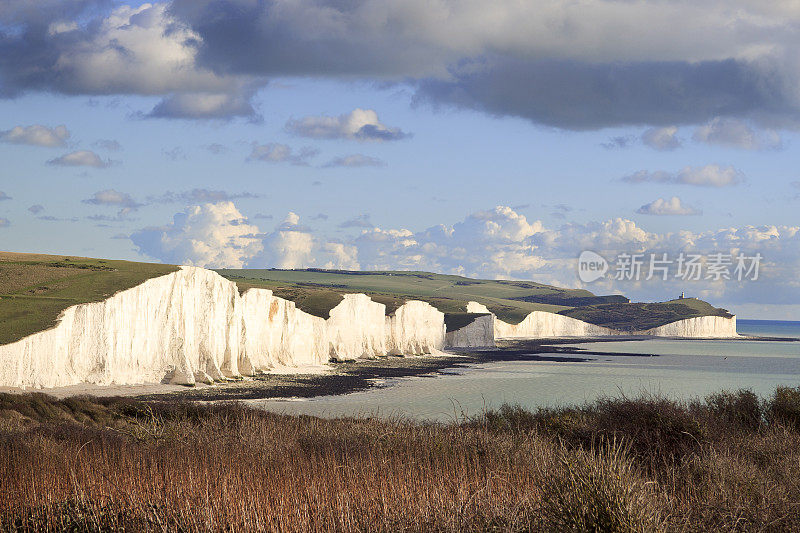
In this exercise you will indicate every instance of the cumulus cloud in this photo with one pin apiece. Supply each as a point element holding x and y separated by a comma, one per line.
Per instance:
<point>663,139</point>
<point>125,50</point>
<point>736,133</point>
<point>673,206</point>
<point>355,161</point>
<point>281,153</point>
<point>495,243</point>
<point>209,235</point>
<point>36,135</point>
<point>205,106</point>
<point>704,176</point>
<point>36,209</point>
<point>359,125</point>
<point>80,158</point>
<point>4,196</point>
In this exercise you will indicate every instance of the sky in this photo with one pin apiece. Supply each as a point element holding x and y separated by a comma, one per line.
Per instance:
<point>493,140</point>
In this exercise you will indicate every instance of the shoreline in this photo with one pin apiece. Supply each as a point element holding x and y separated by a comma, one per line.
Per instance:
<point>335,379</point>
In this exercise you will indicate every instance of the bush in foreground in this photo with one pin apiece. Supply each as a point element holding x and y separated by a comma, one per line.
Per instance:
<point>624,464</point>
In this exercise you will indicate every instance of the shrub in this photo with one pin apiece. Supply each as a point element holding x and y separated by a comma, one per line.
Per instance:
<point>598,491</point>
<point>742,407</point>
<point>784,407</point>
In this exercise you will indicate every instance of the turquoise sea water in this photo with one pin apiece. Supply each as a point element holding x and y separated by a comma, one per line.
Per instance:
<point>679,368</point>
<point>768,328</point>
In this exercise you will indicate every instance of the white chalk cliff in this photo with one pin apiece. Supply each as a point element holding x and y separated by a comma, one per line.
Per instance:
<point>415,328</point>
<point>698,327</point>
<point>192,325</point>
<point>477,334</point>
<point>541,324</point>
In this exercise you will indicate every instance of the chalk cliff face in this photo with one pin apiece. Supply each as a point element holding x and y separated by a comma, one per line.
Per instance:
<point>276,333</point>
<point>415,328</point>
<point>193,326</point>
<point>356,328</point>
<point>702,327</point>
<point>477,334</point>
<point>541,324</point>
<point>186,324</point>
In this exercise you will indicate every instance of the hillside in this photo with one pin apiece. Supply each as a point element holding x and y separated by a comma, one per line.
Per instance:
<point>35,288</point>
<point>317,291</point>
<point>643,316</point>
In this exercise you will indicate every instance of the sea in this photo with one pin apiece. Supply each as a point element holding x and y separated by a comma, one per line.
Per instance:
<point>681,369</point>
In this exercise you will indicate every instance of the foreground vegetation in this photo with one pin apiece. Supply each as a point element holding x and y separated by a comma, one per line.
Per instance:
<point>35,288</point>
<point>730,462</point>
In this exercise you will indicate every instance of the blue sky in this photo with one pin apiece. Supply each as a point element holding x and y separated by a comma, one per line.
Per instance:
<point>421,135</point>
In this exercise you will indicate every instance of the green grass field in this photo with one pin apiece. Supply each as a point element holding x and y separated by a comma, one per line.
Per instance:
<point>317,291</point>
<point>34,289</point>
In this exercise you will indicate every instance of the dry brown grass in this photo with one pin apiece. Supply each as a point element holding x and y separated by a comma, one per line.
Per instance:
<point>119,464</point>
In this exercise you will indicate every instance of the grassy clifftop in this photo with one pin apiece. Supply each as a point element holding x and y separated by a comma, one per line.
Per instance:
<point>317,291</point>
<point>35,288</point>
<point>643,316</point>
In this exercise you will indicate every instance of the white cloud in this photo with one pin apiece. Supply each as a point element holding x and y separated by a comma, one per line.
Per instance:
<point>281,153</point>
<point>359,125</point>
<point>205,106</point>
<point>673,206</point>
<point>36,135</point>
<point>113,198</point>
<point>704,176</point>
<point>663,139</point>
<point>736,133</point>
<point>80,158</point>
<point>496,243</point>
<point>209,235</point>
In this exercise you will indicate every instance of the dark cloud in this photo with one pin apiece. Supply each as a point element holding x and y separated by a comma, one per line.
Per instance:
<point>579,96</point>
<point>559,74</point>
